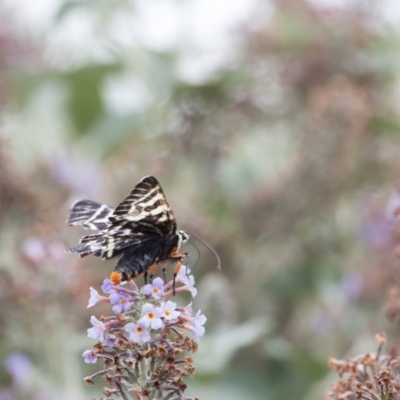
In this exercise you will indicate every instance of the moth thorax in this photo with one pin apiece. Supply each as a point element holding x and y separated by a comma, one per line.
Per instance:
<point>182,237</point>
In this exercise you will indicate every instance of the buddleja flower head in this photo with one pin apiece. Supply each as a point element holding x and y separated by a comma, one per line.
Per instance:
<point>141,343</point>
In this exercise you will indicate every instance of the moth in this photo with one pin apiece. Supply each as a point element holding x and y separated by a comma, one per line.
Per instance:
<point>141,231</point>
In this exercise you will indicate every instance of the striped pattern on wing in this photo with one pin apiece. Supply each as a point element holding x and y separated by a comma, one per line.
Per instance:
<point>141,230</point>
<point>91,244</point>
<point>143,215</point>
<point>145,210</point>
<point>90,215</point>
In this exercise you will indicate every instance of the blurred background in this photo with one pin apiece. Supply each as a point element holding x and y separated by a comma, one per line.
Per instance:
<point>273,127</point>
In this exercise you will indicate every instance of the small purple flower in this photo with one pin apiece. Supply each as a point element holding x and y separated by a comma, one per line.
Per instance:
<point>192,290</point>
<point>111,341</point>
<point>199,319</point>
<point>154,289</point>
<point>184,275</point>
<point>94,297</point>
<point>196,324</point>
<point>189,309</point>
<point>187,279</point>
<point>107,286</point>
<point>151,316</point>
<point>97,332</point>
<point>120,302</point>
<point>198,331</point>
<point>168,310</point>
<point>90,356</point>
<point>186,310</point>
<point>137,332</point>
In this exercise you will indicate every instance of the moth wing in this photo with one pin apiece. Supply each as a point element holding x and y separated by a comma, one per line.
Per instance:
<point>90,215</point>
<point>145,209</point>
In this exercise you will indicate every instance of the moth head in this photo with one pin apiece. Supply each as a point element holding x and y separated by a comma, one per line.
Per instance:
<point>183,237</point>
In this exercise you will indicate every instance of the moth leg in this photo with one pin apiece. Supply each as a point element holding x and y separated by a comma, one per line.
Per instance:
<point>164,267</point>
<point>153,270</point>
<point>177,257</point>
<point>145,276</point>
<point>177,267</point>
<point>178,264</point>
<point>184,261</point>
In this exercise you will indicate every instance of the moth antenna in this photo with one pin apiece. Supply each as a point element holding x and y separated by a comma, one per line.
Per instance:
<point>212,251</point>
<point>198,254</point>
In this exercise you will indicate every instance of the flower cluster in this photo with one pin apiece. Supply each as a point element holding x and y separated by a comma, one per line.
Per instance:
<point>142,345</point>
<point>371,376</point>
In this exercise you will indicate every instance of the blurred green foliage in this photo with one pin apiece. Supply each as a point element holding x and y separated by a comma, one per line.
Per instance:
<point>284,157</point>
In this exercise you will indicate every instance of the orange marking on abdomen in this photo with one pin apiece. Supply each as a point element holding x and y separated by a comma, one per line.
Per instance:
<point>173,251</point>
<point>116,277</point>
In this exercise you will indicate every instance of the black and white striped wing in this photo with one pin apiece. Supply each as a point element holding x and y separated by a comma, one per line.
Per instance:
<point>143,219</point>
<point>90,215</point>
<point>147,209</point>
<point>144,215</point>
